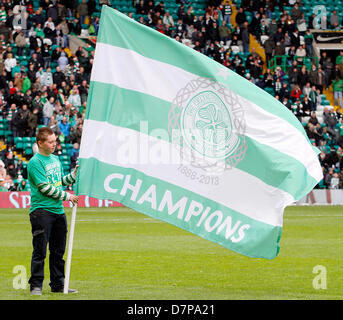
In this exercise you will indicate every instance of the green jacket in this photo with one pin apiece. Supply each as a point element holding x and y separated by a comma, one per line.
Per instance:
<point>26,84</point>
<point>313,96</point>
<point>337,85</point>
<point>224,31</point>
<point>339,59</point>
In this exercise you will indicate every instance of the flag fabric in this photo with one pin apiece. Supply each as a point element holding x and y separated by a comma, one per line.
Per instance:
<point>179,137</point>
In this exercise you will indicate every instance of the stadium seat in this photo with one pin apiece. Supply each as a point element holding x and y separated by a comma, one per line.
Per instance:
<point>27,145</point>
<point>321,184</point>
<point>28,150</point>
<point>270,90</point>
<point>64,158</point>
<point>249,16</point>
<point>18,142</point>
<point>9,135</point>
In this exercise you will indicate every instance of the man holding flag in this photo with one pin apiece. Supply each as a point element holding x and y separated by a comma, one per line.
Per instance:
<point>47,217</point>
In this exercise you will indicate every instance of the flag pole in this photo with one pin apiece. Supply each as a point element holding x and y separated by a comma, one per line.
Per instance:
<point>70,249</point>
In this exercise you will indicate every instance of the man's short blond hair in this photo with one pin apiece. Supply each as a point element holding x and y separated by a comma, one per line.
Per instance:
<point>43,134</point>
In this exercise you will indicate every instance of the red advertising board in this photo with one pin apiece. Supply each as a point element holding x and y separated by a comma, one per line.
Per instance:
<point>22,200</point>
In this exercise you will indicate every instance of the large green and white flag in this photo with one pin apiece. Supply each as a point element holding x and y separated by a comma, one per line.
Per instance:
<point>173,134</point>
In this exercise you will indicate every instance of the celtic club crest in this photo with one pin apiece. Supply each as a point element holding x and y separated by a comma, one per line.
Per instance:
<point>207,120</point>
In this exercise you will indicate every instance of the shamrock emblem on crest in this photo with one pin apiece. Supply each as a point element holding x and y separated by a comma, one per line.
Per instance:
<point>212,126</point>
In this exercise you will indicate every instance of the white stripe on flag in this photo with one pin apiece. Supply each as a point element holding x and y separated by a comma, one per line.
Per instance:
<point>237,190</point>
<point>129,70</point>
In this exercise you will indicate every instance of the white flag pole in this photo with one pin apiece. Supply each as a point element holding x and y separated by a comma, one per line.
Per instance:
<point>70,249</point>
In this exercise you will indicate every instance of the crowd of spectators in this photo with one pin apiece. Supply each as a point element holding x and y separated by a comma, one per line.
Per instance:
<point>42,82</point>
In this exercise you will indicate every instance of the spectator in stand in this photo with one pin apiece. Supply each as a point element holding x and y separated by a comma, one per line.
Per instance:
<point>313,119</point>
<point>9,63</point>
<point>32,122</point>
<point>240,17</point>
<point>226,11</point>
<point>3,14</point>
<point>224,32</point>
<point>296,12</point>
<point>337,86</point>
<point>297,109</point>
<point>213,32</point>
<point>279,74</point>
<point>10,165</point>
<point>279,51</point>
<point>47,78</point>
<point>293,74</point>
<point>277,87</point>
<point>82,10</point>
<point>74,26</point>
<point>313,74</point>
<point>20,42</point>
<point>330,119</point>
<point>48,110</point>
<point>58,76</point>
<point>296,93</point>
<point>307,89</point>
<point>3,172</point>
<point>64,127</point>
<point>75,98</point>
<point>306,107</point>
<point>63,61</point>
<point>334,20</point>
<point>314,98</point>
<point>245,38</point>
<point>23,186</point>
<point>301,53</point>
<point>54,126</point>
<point>74,155</point>
<point>303,77</point>
<point>63,26</point>
<point>328,176</point>
<point>339,59</point>
<point>75,134</point>
<point>308,38</point>
<point>140,8</point>
<point>168,19</point>
<point>269,46</point>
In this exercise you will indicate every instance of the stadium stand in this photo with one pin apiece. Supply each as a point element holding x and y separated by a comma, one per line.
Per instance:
<point>44,81</point>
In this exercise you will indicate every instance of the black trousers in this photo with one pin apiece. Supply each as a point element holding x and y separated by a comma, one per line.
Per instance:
<point>48,228</point>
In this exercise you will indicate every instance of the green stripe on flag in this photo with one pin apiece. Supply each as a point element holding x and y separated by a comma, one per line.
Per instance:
<point>127,108</point>
<point>195,213</point>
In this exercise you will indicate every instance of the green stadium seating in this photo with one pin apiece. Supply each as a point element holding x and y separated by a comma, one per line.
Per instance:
<point>27,145</point>
<point>9,135</point>
<point>2,129</point>
<point>18,142</point>
<point>28,150</point>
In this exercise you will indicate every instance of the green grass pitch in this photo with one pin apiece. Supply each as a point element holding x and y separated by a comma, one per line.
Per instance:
<point>120,254</point>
